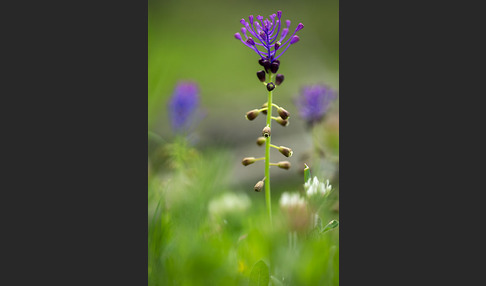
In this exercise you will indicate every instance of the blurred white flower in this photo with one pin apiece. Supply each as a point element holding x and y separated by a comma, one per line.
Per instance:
<point>294,208</point>
<point>288,200</point>
<point>314,187</point>
<point>229,203</point>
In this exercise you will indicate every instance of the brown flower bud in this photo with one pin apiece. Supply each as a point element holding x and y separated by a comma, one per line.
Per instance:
<point>261,140</point>
<point>284,165</point>
<point>248,160</point>
<point>264,106</point>
<point>287,152</point>
<point>259,186</point>
<point>279,79</point>
<point>266,131</point>
<point>283,122</point>
<point>283,113</point>
<point>252,114</point>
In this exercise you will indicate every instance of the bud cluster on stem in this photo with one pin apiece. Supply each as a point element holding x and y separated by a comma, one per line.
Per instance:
<point>270,70</point>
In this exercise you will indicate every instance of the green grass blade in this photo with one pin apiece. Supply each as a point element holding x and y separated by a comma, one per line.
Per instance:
<point>276,282</point>
<point>307,173</point>
<point>331,225</point>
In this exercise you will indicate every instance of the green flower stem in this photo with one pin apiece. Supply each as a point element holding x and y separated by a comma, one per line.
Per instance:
<point>274,146</point>
<point>268,198</point>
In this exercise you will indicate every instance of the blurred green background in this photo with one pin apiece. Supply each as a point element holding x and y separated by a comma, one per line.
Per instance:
<point>193,40</point>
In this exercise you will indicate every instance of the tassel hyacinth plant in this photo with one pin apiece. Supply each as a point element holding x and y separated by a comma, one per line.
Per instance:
<point>269,40</point>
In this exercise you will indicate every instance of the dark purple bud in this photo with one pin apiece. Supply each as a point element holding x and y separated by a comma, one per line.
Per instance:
<point>261,75</point>
<point>270,86</point>
<point>294,40</point>
<point>274,67</point>
<point>266,65</point>
<point>251,19</point>
<point>299,27</point>
<point>276,61</point>
<point>279,14</point>
<point>260,62</point>
<point>283,113</point>
<point>252,43</point>
<point>279,79</point>
<point>263,35</point>
<point>277,45</point>
<point>238,36</point>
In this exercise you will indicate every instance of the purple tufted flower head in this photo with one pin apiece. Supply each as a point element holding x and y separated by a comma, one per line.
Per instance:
<point>266,34</point>
<point>314,101</point>
<point>183,105</point>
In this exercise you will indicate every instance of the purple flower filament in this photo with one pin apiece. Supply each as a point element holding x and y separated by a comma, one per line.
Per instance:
<point>264,32</point>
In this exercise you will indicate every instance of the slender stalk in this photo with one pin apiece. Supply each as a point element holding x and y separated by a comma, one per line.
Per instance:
<point>268,198</point>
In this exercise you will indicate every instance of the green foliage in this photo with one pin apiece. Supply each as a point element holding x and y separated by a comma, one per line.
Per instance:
<point>199,236</point>
<point>259,274</point>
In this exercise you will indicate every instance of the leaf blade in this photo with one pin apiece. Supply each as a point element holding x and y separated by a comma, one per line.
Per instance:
<point>260,275</point>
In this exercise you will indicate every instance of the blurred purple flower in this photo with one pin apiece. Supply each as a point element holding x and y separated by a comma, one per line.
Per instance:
<point>267,33</point>
<point>183,106</point>
<point>314,101</point>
